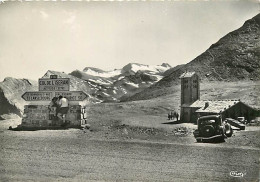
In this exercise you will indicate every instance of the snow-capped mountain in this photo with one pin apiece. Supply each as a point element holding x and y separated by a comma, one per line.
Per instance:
<point>101,86</point>
<point>100,73</point>
<point>110,86</point>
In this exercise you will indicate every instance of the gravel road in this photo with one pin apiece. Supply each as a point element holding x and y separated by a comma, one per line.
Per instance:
<point>71,156</point>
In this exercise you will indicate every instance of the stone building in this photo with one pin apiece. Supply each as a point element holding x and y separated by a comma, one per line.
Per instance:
<point>190,92</point>
<point>192,107</point>
<point>226,108</point>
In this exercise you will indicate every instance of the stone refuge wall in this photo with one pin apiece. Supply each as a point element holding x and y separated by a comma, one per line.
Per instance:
<point>43,116</point>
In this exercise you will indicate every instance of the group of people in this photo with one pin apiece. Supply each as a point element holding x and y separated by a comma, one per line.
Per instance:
<point>173,115</point>
<point>62,107</point>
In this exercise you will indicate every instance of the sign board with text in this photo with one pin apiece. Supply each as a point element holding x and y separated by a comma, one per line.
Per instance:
<point>47,96</point>
<point>72,95</point>
<point>59,84</point>
<point>54,87</point>
<point>37,96</point>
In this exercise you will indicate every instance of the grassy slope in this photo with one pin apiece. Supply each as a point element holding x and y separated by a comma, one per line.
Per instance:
<point>158,108</point>
<point>147,119</point>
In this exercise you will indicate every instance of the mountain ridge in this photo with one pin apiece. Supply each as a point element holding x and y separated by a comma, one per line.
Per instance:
<point>234,57</point>
<point>109,88</point>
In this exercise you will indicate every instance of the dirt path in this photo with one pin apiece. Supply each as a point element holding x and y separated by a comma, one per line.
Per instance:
<point>125,153</point>
<point>70,156</point>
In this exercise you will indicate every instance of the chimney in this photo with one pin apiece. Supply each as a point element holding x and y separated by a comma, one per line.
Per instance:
<point>206,105</point>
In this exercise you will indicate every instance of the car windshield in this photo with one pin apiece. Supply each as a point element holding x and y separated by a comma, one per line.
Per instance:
<point>207,121</point>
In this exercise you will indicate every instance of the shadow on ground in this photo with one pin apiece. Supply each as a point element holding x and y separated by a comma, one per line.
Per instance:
<point>173,122</point>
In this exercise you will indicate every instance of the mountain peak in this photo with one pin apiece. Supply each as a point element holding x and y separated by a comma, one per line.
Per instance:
<point>134,67</point>
<point>166,65</point>
<point>93,69</point>
<point>8,79</point>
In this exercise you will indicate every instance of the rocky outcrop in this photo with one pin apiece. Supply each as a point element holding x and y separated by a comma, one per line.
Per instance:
<point>234,57</point>
<point>11,90</point>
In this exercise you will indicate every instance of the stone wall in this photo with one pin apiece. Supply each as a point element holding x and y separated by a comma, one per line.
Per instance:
<point>44,116</point>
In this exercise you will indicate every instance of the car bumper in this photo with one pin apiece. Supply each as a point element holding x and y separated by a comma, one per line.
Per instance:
<point>208,138</point>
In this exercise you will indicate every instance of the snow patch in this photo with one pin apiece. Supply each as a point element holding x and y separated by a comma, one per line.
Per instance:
<point>105,94</point>
<point>153,68</point>
<point>99,81</point>
<point>105,74</point>
<point>121,77</point>
<point>92,84</point>
<point>125,92</point>
<point>132,84</point>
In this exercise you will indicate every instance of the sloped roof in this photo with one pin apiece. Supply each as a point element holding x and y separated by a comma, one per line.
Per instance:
<point>186,105</point>
<point>59,74</point>
<point>214,106</point>
<point>187,74</point>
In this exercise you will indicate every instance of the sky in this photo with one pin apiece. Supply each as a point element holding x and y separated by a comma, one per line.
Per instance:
<point>65,36</point>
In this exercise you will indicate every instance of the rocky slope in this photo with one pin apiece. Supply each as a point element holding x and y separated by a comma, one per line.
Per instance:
<point>11,90</point>
<point>234,57</point>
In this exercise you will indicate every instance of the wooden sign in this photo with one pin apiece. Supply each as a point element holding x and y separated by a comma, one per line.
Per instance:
<point>72,95</point>
<point>37,96</point>
<point>54,87</point>
<point>59,84</point>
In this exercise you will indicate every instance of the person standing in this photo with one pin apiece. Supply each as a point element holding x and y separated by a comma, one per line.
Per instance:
<point>63,108</point>
<point>54,104</point>
<point>171,115</point>
<point>177,116</point>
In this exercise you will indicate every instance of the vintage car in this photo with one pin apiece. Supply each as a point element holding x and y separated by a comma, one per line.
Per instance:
<point>212,128</point>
